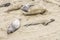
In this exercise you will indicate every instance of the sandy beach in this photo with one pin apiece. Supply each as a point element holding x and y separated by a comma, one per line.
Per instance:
<point>51,31</point>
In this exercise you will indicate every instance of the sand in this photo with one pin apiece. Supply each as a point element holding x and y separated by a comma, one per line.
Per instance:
<point>34,32</point>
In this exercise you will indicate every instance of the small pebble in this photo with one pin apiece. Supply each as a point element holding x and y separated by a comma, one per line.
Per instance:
<point>13,26</point>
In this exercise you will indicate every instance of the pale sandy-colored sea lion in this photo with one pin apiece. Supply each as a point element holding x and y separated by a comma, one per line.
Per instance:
<point>35,10</point>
